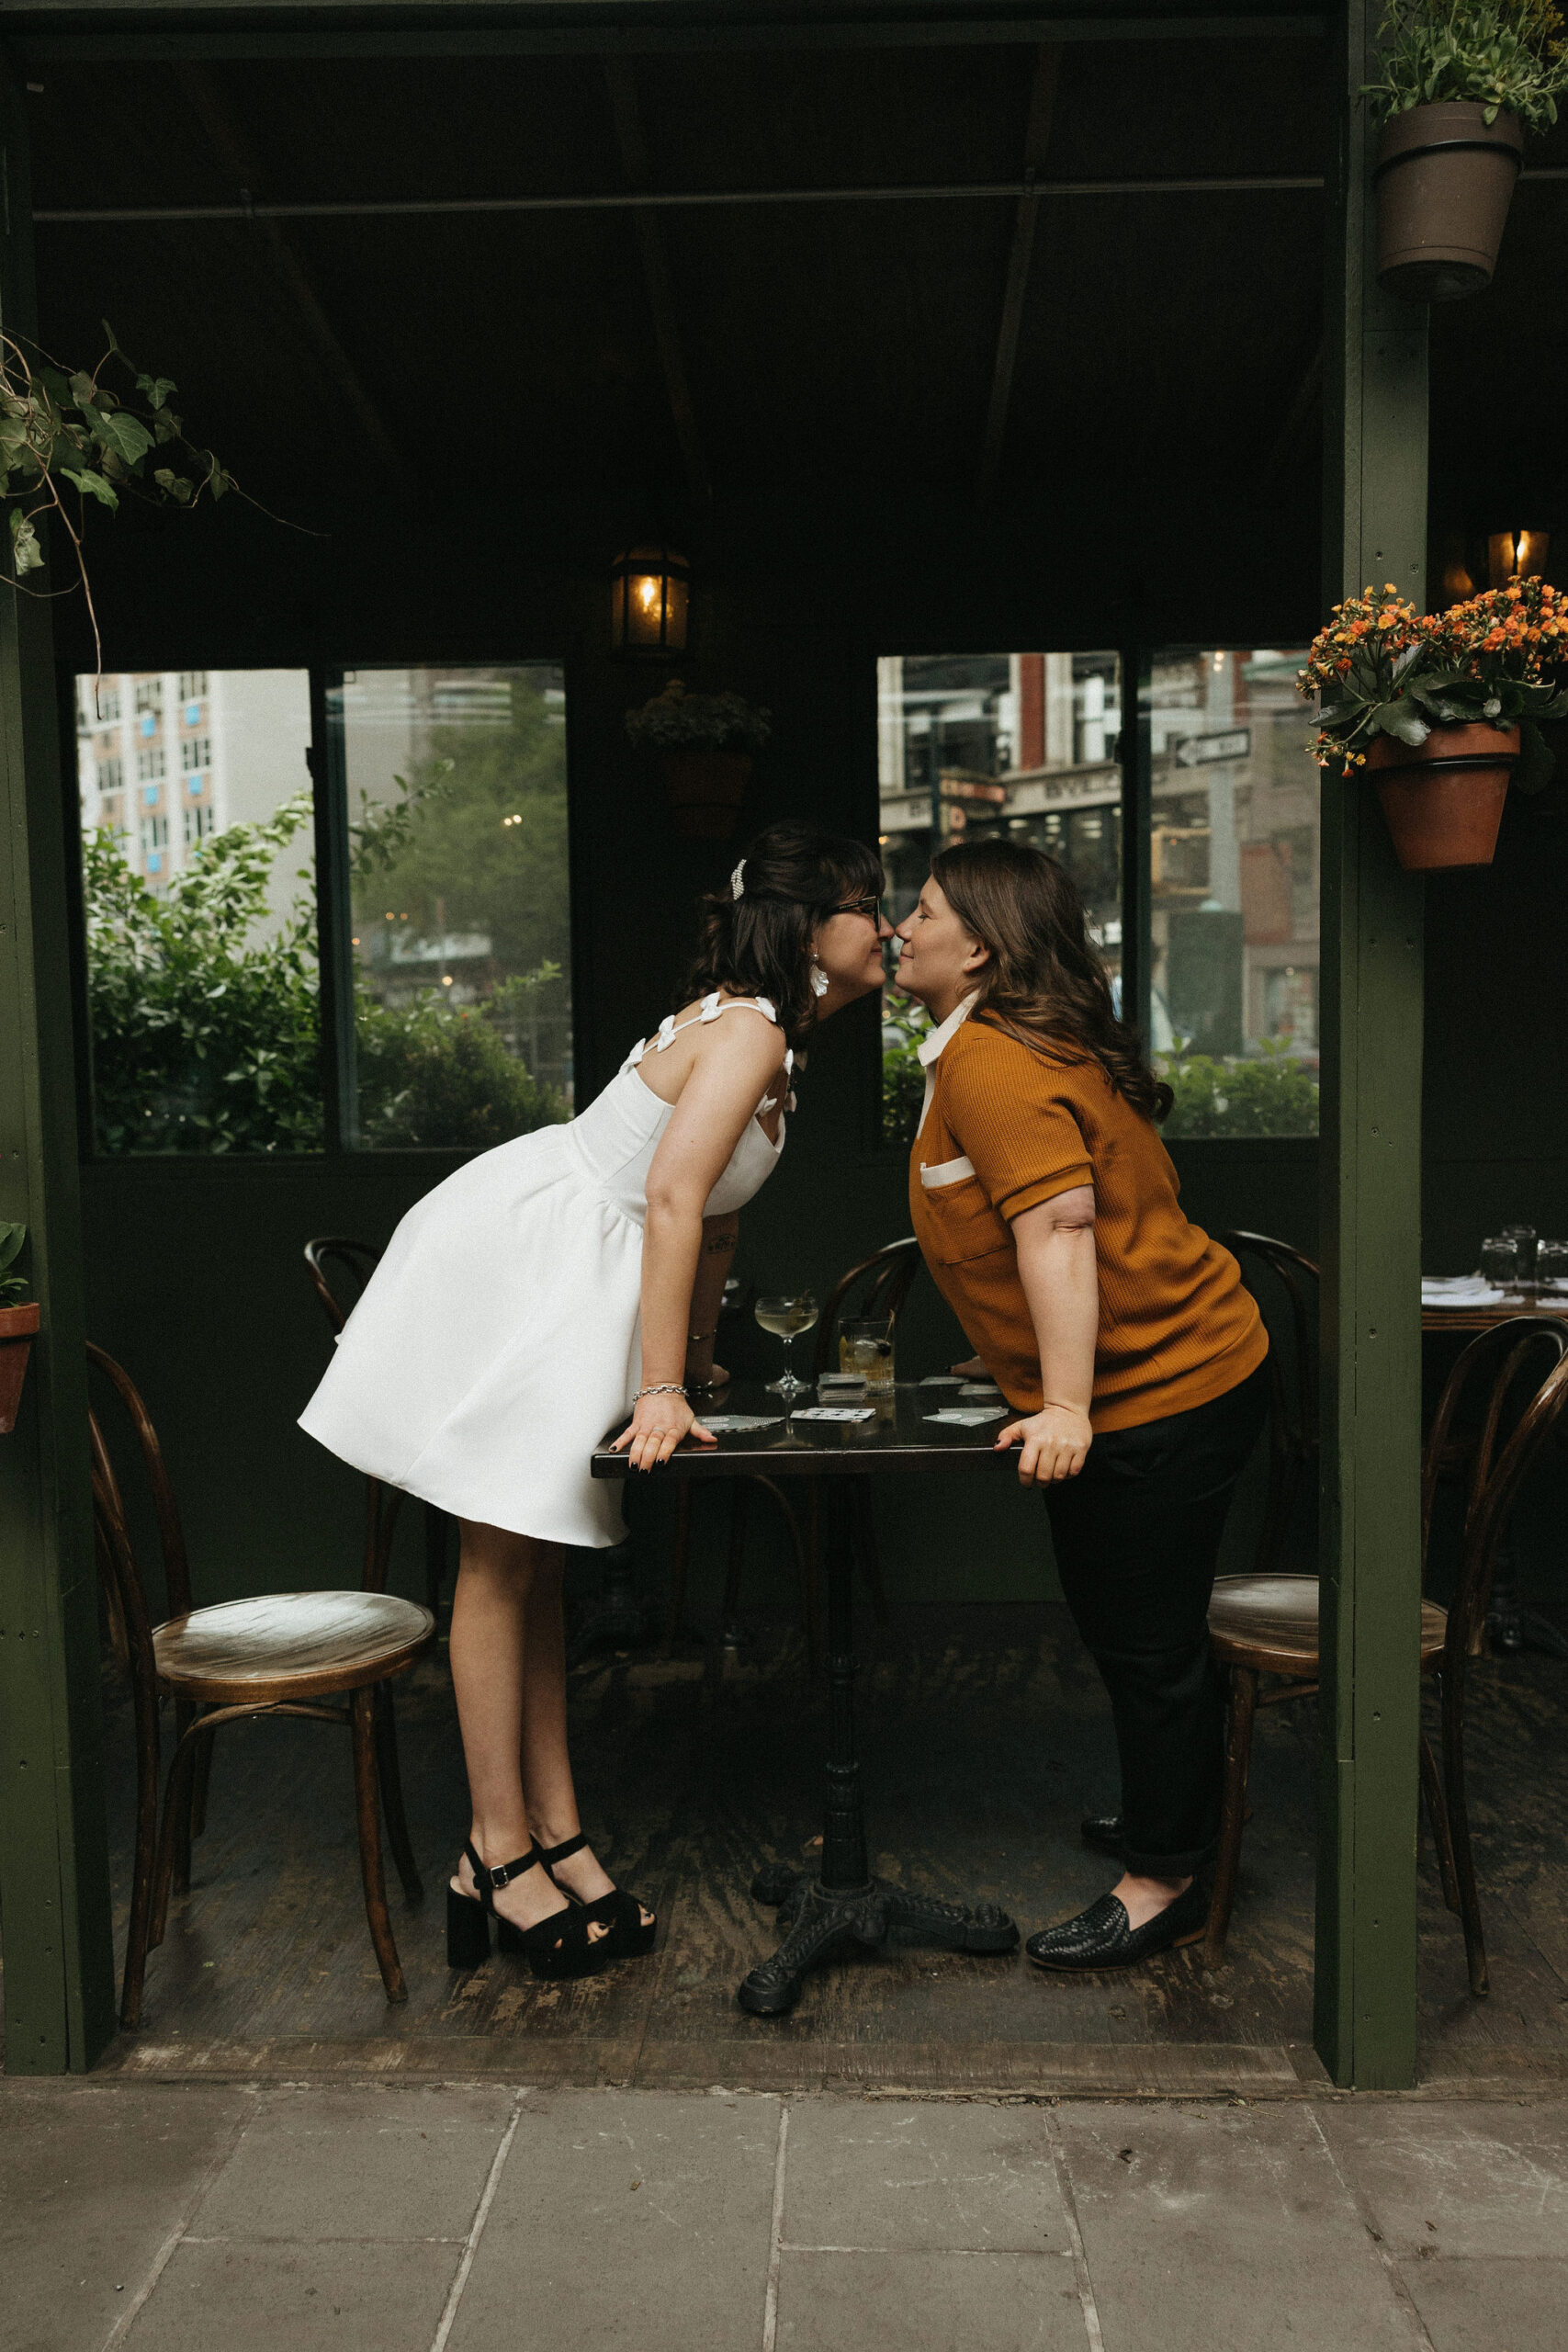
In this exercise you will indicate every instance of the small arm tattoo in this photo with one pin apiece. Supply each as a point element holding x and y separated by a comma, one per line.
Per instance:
<point>720,1243</point>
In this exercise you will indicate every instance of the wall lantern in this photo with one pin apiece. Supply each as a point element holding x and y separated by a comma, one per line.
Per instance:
<point>651,590</point>
<point>1516,555</point>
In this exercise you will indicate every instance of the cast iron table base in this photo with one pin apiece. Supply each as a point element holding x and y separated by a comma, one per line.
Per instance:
<point>826,1912</point>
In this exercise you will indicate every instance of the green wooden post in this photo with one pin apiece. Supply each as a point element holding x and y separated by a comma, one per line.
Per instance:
<point>1375,471</point>
<point>54,1898</point>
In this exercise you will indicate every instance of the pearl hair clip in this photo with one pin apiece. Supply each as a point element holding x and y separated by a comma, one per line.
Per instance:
<point>737,883</point>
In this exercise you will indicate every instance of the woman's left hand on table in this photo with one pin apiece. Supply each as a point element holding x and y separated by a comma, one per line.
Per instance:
<point>1054,1441</point>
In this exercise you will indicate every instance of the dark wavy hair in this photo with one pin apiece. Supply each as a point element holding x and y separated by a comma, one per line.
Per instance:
<point>759,944</point>
<point>1044,984</point>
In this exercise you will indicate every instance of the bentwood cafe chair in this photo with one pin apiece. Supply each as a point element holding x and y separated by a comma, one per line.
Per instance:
<point>328,1657</point>
<point>1504,1399</point>
<point>878,1285</point>
<point>339,1268</point>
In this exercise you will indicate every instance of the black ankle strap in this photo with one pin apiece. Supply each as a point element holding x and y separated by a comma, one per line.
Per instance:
<point>488,1880</point>
<point>550,1855</point>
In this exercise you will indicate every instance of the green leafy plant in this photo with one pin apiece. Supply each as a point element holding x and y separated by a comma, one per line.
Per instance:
<point>678,721</point>
<point>72,431</point>
<point>1270,1095</point>
<point>11,1286</point>
<point>1508,56</point>
<point>204,1011</point>
<point>903,1073</point>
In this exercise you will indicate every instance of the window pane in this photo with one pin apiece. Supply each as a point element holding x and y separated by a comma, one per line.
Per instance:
<point>199,867</point>
<point>1234,899</point>
<point>457,846</point>
<point>975,745</point>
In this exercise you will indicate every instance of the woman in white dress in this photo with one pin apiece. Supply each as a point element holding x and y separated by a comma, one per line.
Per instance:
<point>535,1296</point>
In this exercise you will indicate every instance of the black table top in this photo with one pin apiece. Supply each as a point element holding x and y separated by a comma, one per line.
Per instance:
<point>897,1438</point>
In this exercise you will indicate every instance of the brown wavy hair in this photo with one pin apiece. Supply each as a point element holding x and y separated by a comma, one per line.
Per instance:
<point>760,945</point>
<point>1044,984</point>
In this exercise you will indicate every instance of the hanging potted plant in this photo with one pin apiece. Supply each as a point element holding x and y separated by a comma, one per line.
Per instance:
<point>1461,82</point>
<point>704,745</point>
<point>1441,709</point>
<point>18,1323</point>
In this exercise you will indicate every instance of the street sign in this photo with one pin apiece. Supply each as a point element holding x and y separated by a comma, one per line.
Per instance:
<point>1205,751</point>
<point>968,787</point>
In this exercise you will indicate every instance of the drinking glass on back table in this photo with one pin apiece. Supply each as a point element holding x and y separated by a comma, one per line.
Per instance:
<point>1524,1235</point>
<point>1552,1264</point>
<point>1500,1262</point>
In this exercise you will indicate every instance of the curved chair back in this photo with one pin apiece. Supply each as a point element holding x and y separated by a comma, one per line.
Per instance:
<point>1520,1370</point>
<point>339,1268</point>
<point>117,1554</point>
<point>1286,1284</point>
<point>877,1286</point>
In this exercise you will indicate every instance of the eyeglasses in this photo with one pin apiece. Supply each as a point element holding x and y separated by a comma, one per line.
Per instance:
<point>869,905</point>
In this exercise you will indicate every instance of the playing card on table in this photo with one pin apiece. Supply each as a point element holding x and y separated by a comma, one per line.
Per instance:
<point>969,1417</point>
<point>722,1424</point>
<point>834,1413</point>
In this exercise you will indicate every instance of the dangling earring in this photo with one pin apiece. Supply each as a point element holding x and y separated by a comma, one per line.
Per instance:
<point>818,978</point>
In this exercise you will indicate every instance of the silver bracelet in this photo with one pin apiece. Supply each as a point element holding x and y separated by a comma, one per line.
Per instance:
<point>660,1388</point>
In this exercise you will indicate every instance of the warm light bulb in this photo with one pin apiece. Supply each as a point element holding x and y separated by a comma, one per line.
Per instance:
<point>647,594</point>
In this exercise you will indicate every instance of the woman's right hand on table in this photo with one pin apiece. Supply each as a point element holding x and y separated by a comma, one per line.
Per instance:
<point>1055,1444</point>
<point>658,1426</point>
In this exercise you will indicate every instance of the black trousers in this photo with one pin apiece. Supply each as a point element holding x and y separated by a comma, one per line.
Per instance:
<point>1138,1534</point>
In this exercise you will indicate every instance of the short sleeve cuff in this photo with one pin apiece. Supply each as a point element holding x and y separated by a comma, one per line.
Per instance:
<point>1045,1188</point>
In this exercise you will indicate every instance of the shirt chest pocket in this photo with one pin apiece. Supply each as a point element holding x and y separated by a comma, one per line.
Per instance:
<point>961,1220</point>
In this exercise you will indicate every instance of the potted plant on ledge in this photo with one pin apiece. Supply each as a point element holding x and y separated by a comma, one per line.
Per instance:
<point>1461,82</point>
<point>18,1323</point>
<point>1442,709</point>
<point>704,745</point>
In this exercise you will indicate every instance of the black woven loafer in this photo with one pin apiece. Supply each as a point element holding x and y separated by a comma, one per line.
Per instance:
<point>1105,1831</point>
<point>1101,1937</point>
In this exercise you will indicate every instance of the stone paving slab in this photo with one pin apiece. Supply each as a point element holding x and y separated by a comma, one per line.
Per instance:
<point>92,2181</point>
<point>1490,2306</point>
<point>897,2302</point>
<point>359,2162</point>
<point>642,2217</point>
<point>1477,2179</point>
<point>881,2177</point>
<point>253,2298</point>
<point>1207,2228</point>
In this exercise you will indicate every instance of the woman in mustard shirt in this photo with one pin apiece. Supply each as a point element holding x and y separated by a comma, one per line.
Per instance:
<point>1121,1337</point>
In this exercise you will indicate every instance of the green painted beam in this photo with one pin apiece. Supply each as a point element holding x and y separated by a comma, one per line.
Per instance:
<point>1375,530</point>
<point>54,1883</point>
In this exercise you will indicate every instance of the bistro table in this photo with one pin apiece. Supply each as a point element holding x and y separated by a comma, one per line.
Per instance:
<point>1478,1314</point>
<point>840,1904</point>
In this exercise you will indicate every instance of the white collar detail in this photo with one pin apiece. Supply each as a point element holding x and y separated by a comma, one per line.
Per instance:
<point>931,1047</point>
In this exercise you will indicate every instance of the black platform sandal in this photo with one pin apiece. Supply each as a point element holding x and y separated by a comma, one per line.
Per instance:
<point>631,1936</point>
<point>556,1948</point>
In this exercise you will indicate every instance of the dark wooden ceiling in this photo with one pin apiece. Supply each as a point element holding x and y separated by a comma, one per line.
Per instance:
<point>488,371</point>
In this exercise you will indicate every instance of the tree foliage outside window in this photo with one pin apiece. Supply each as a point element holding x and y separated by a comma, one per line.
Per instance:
<point>204,1001</point>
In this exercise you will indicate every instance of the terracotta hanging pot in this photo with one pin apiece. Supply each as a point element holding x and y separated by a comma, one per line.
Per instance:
<point>1444,179</point>
<point>705,791</point>
<point>1443,798</point>
<point>18,1326</point>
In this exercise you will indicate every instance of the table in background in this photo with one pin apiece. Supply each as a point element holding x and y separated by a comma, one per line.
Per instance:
<point>1484,1319</point>
<point>841,1903</point>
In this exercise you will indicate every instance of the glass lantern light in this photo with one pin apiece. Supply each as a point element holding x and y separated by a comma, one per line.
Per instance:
<point>1515,555</point>
<point>651,591</point>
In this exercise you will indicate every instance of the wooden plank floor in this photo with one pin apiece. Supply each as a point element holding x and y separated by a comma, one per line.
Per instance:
<point>984,1736</point>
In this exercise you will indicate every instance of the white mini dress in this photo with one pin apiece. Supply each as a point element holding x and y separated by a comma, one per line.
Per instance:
<point>500,1337</point>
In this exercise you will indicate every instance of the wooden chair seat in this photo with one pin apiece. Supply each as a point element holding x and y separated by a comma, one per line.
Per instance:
<point>1268,1624</point>
<point>284,1646</point>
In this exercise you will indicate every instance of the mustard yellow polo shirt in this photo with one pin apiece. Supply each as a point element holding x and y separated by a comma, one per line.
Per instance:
<point>1007,1126</point>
